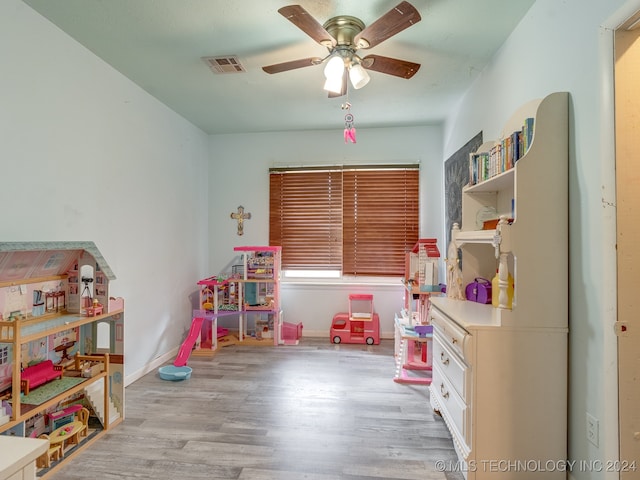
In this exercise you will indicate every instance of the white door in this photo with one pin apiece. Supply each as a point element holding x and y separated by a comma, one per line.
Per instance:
<point>627,93</point>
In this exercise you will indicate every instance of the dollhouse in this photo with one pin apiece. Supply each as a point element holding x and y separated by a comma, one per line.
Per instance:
<point>61,342</point>
<point>248,298</point>
<point>412,334</point>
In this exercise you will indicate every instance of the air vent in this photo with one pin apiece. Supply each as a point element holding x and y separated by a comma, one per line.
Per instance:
<point>226,64</point>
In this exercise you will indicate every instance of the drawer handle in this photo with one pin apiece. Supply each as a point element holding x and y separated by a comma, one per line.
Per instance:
<point>454,340</point>
<point>445,361</point>
<point>443,392</point>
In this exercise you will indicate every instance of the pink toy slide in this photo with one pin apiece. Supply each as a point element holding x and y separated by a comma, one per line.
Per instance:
<point>189,342</point>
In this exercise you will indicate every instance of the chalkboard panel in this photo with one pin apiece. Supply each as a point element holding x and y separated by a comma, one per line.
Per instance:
<point>456,176</point>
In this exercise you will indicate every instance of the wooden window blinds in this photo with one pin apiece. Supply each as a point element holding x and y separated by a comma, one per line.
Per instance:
<point>360,221</point>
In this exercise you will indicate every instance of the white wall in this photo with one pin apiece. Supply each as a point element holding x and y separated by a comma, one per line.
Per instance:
<point>240,177</point>
<point>563,46</point>
<point>87,155</point>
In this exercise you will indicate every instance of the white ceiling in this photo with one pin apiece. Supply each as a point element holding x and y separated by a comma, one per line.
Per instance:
<point>159,45</point>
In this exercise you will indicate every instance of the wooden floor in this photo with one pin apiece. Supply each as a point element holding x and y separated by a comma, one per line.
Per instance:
<point>314,411</point>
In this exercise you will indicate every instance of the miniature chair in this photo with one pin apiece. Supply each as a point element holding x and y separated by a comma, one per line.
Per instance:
<point>83,416</point>
<point>53,453</point>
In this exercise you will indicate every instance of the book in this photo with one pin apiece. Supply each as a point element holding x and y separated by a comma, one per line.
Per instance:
<point>527,133</point>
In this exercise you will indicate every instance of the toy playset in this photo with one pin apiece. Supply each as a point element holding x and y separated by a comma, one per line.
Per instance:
<point>247,300</point>
<point>413,335</point>
<point>413,360</point>
<point>359,325</point>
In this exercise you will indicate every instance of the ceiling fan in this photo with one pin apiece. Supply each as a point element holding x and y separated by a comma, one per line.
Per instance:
<point>343,36</point>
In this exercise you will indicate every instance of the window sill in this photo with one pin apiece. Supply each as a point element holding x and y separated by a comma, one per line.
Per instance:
<point>345,281</point>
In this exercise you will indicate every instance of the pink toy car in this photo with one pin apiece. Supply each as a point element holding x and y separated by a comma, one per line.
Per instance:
<point>359,325</point>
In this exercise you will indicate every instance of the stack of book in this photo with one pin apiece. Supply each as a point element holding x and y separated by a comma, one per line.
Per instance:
<point>502,156</point>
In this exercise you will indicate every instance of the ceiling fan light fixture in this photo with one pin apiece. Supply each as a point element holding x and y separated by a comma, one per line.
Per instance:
<point>358,76</point>
<point>333,84</point>
<point>334,69</point>
<point>343,36</point>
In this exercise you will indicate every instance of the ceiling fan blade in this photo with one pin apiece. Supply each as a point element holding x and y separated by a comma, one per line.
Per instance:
<point>292,65</point>
<point>309,25</point>
<point>343,90</point>
<point>394,21</point>
<point>390,66</point>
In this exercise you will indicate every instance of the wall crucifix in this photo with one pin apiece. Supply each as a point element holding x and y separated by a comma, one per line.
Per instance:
<point>240,216</point>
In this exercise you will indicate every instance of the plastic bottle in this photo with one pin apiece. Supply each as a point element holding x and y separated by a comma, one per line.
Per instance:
<point>495,290</point>
<point>510,288</point>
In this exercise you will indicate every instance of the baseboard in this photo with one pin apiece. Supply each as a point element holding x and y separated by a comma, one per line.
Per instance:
<point>154,365</point>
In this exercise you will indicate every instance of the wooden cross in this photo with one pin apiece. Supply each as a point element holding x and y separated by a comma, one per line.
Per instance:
<point>240,216</point>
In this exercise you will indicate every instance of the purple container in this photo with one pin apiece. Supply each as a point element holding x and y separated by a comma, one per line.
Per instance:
<point>423,330</point>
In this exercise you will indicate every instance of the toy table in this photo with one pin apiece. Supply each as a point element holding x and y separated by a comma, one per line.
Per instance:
<point>94,310</point>
<point>55,301</point>
<point>68,433</point>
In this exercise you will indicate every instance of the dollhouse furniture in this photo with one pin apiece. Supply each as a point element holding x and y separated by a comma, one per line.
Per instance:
<point>85,366</point>
<point>63,349</point>
<point>359,325</point>
<point>55,301</point>
<point>53,454</point>
<point>19,455</point>
<point>500,370</point>
<point>95,309</point>
<point>414,354</point>
<point>39,374</point>
<point>83,417</point>
<point>61,417</point>
<point>67,434</point>
<point>47,266</point>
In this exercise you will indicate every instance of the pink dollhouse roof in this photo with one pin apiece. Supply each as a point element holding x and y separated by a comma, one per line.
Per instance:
<point>429,245</point>
<point>23,260</point>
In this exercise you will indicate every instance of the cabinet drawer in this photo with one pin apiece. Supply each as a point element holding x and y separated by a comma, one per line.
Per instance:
<point>451,366</point>
<point>453,409</point>
<point>454,336</point>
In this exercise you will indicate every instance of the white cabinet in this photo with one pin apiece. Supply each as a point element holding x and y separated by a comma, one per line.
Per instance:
<point>500,374</point>
<point>18,459</point>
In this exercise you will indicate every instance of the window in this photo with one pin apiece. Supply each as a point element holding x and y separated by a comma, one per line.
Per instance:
<point>357,220</point>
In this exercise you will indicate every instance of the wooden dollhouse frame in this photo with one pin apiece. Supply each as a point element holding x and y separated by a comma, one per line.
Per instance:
<point>63,329</point>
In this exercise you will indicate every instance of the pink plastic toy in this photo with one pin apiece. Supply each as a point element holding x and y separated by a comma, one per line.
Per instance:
<point>360,325</point>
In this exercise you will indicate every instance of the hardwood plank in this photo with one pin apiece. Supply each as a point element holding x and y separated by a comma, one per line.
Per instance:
<point>316,411</point>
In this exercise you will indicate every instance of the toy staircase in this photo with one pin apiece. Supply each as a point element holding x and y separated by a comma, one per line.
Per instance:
<point>94,393</point>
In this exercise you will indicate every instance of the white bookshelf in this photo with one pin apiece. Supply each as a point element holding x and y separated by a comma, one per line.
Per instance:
<point>499,374</point>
